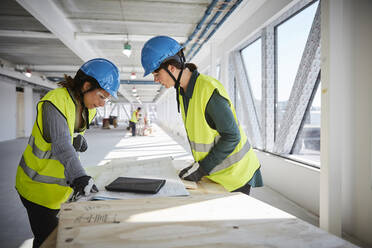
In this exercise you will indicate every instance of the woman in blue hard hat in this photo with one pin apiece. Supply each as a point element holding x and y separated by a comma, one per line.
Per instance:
<point>219,145</point>
<point>50,170</point>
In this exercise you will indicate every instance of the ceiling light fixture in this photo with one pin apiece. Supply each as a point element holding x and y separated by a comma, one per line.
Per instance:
<point>27,73</point>
<point>127,49</point>
<point>133,75</point>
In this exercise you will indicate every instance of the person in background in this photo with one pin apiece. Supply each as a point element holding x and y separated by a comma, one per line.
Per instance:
<point>133,121</point>
<point>218,143</point>
<point>50,170</point>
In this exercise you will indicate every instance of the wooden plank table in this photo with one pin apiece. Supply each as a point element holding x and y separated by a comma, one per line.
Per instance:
<point>204,219</point>
<point>209,217</point>
<point>205,186</point>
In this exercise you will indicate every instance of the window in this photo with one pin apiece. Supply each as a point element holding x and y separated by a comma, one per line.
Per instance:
<point>253,66</point>
<point>218,71</point>
<point>290,43</point>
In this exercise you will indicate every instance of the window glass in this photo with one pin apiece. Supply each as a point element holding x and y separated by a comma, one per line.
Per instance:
<point>253,66</point>
<point>218,71</point>
<point>291,37</point>
<point>308,140</point>
<point>239,107</point>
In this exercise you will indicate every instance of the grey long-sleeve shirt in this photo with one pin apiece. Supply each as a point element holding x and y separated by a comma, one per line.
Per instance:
<point>56,132</point>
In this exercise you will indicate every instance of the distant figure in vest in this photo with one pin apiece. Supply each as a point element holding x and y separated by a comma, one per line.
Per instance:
<point>218,143</point>
<point>133,121</point>
<point>50,171</point>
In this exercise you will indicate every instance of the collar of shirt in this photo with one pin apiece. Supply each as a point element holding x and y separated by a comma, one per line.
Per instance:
<point>190,86</point>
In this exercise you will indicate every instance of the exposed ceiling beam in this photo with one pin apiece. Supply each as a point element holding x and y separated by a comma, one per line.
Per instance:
<point>27,34</point>
<point>33,79</point>
<point>102,36</point>
<point>123,75</point>
<point>131,23</point>
<point>72,68</point>
<point>48,14</point>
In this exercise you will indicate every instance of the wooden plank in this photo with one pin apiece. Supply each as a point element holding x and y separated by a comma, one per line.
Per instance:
<point>227,220</point>
<point>189,184</point>
<point>51,241</point>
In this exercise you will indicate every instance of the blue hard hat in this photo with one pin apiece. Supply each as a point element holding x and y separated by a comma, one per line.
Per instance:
<point>105,72</point>
<point>156,50</point>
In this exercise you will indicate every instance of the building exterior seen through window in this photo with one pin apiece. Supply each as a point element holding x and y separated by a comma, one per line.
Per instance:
<point>291,37</point>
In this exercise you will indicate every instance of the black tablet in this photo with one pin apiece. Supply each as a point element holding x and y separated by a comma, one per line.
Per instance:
<point>137,185</point>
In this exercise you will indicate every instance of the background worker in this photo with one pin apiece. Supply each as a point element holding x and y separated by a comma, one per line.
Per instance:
<point>218,143</point>
<point>133,121</point>
<point>50,170</point>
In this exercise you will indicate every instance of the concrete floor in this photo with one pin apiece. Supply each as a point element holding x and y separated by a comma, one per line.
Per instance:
<point>104,145</point>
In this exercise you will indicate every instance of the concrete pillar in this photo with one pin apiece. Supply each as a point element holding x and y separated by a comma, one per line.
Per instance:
<point>30,110</point>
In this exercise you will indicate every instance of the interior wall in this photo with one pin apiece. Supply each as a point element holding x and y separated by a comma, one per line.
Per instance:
<point>28,110</point>
<point>8,112</point>
<point>20,112</point>
<point>346,125</point>
<point>167,113</point>
<point>35,99</point>
<point>295,181</point>
<point>358,208</point>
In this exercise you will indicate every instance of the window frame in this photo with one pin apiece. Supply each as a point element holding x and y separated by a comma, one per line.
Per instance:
<point>268,120</point>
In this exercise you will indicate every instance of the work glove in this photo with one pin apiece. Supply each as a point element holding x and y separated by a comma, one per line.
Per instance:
<point>82,186</point>
<point>193,172</point>
<point>80,144</point>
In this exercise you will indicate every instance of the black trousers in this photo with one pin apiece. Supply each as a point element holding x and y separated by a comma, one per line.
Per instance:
<point>132,125</point>
<point>43,220</point>
<point>246,189</point>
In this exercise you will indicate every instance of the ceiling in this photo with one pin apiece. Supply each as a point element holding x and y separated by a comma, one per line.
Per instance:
<point>55,37</point>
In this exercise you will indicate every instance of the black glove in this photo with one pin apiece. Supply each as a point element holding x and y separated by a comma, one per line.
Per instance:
<point>83,186</point>
<point>193,173</point>
<point>80,144</point>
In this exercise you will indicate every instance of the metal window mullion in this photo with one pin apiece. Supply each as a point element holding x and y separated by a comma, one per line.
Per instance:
<point>268,88</point>
<point>231,74</point>
<point>249,111</point>
<point>301,91</point>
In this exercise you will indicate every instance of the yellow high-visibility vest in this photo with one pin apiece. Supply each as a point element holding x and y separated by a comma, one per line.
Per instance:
<point>134,117</point>
<point>40,176</point>
<point>241,164</point>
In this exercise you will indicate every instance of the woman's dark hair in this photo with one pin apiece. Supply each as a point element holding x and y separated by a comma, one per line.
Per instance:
<point>76,84</point>
<point>176,62</point>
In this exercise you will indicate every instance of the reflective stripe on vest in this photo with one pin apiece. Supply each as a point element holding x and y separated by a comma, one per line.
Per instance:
<point>236,157</point>
<point>41,178</point>
<point>39,153</point>
<point>198,147</point>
